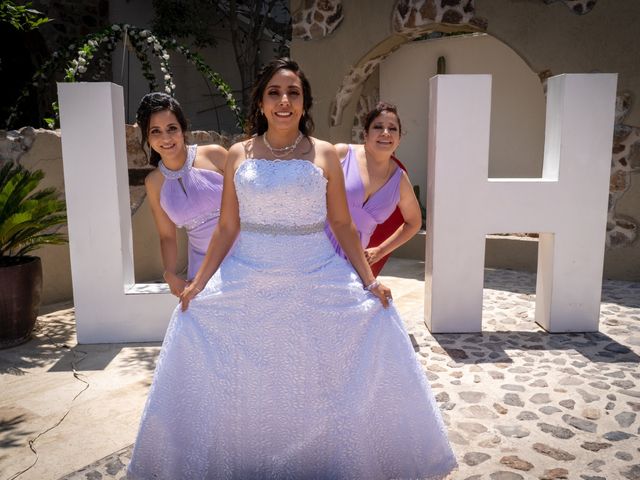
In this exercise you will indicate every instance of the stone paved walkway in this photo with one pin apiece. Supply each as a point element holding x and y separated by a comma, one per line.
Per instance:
<point>519,403</point>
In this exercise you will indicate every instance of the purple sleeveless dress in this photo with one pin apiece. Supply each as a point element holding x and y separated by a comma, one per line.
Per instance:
<point>191,198</point>
<point>366,215</point>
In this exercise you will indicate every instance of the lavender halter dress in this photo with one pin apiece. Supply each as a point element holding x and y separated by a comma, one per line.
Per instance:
<point>378,207</point>
<point>191,198</point>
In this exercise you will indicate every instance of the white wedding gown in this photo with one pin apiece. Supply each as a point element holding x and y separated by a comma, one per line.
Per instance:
<point>284,367</point>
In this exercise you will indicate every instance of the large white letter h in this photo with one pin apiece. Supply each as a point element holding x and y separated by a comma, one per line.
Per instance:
<point>567,206</point>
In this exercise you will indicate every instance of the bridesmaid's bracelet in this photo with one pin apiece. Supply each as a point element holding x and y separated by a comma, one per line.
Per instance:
<point>196,288</point>
<point>372,285</point>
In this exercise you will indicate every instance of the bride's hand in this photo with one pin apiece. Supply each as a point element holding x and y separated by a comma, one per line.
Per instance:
<point>382,292</point>
<point>188,294</point>
<point>176,284</point>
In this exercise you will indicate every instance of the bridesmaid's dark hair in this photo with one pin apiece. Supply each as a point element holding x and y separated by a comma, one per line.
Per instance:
<point>256,121</point>
<point>377,110</point>
<point>151,103</point>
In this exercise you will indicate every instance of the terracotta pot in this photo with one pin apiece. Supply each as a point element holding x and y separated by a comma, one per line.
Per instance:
<point>20,290</point>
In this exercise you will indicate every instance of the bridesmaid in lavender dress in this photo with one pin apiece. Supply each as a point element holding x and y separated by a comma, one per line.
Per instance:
<point>376,185</point>
<point>185,190</point>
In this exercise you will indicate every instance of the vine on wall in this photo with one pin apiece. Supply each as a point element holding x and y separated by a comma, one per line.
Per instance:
<point>97,48</point>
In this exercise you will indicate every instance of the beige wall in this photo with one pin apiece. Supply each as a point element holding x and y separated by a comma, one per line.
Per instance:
<point>46,154</point>
<point>551,37</point>
<point>517,106</point>
<point>604,40</point>
<point>326,61</point>
<point>544,36</point>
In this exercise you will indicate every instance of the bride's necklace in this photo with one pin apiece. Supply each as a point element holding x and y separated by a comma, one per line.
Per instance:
<point>282,151</point>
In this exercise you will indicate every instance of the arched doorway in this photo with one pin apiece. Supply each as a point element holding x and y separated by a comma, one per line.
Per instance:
<point>517,110</point>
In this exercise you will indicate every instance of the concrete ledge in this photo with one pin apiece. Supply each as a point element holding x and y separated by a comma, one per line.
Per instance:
<point>517,253</point>
<point>147,289</point>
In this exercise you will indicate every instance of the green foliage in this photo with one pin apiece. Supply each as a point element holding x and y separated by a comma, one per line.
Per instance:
<point>21,17</point>
<point>249,23</point>
<point>29,219</point>
<point>97,48</point>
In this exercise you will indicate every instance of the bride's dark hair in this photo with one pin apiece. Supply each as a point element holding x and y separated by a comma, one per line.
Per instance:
<point>152,103</point>
<point>256,121</point>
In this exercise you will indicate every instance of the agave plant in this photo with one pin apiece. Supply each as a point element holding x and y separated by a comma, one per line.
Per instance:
<point>29,219</point>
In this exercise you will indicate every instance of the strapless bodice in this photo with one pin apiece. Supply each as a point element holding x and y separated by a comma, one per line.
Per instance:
<point>281,193</point>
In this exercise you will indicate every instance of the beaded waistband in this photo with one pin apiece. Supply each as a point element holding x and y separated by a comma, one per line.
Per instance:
<point>282,229</point>
<point>199,220</point>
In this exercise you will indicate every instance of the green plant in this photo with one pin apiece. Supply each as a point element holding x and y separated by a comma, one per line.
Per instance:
<point>21,17</point>
<point>249,22</point>
<point>98,47</point>
<point>29,219</point>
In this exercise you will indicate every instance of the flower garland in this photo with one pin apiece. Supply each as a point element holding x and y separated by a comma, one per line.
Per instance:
<point>142,43</point>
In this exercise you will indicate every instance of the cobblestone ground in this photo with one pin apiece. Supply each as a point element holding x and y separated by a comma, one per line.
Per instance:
<point>520,403</point>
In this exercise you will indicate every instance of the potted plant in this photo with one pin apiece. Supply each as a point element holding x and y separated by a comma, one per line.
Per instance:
<point>29,219</point>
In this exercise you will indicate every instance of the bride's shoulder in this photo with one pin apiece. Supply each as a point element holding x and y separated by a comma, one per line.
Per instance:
<point>325,156</point>
<point>239,152</point>
<point>321,145</point>
<point>243,146</point>
<point>324,150</point>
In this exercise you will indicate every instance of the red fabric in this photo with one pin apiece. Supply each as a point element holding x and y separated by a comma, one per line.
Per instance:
<point>385,230</point>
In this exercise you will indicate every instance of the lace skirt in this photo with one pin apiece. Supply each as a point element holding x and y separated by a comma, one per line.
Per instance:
<point>284,367</point>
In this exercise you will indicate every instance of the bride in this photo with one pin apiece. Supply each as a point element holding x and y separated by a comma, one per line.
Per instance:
<point>282,362</point>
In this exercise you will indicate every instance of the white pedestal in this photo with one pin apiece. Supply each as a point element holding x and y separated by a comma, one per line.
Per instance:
<point>109,306</point>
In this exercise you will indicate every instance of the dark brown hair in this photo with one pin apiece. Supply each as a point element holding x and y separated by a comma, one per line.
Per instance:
<point>256,121</point>
<point>151,103</point>
<point>377,110</point>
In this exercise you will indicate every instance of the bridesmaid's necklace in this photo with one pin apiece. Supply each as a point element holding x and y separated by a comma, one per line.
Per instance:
<point>282,151</point>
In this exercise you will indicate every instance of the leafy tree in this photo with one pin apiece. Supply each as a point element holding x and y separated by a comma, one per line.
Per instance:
<point>21,17</point>
<point>248,21</point>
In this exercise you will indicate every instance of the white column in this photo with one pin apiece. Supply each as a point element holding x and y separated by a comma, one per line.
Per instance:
<point>567,205</point>
<point>109,306</point>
